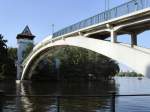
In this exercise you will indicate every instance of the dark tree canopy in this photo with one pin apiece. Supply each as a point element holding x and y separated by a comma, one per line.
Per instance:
<point>12,53</point>
<point>76,63</point>
<point>3,49</point>
<point>28,49</point>
<point>7,60</point>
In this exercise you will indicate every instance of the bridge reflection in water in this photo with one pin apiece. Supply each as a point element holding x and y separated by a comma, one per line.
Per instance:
<point>41,97</point>
<point>73,97</point>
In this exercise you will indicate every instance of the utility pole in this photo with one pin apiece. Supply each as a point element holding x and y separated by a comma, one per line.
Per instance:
<point>53,28</point>
<point>106,5</point>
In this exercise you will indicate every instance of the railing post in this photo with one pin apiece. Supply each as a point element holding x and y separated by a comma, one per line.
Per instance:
<point>113,103</point>
<point>1,100</point>
<point>58,103</point>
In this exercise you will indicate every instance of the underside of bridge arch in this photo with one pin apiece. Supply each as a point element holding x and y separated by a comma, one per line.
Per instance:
<point>137,59</point>
<point>74,63</point>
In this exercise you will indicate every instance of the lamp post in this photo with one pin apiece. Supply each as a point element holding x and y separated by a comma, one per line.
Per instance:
<point>53,28</point>
<point>106,5</point>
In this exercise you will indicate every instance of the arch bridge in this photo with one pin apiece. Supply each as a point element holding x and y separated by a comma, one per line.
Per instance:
<point>130,18</point>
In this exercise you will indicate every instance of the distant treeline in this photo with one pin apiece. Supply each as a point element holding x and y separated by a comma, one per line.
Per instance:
<point>129,74</point>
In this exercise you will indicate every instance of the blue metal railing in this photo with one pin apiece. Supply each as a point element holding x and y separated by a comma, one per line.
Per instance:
<point>121,10</point>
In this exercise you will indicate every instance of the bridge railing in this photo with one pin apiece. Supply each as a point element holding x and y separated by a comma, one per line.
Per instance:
<point>121,10</point>
<point>36,48</point>
<point>111,95</point>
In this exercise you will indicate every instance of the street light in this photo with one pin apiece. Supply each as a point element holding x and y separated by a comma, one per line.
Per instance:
<point>106,5</point>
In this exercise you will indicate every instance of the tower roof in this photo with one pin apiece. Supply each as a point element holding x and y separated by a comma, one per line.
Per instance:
<point>26,34</point>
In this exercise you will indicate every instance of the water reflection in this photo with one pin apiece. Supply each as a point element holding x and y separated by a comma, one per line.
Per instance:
<point>67,104</point>
<point>80,104</point>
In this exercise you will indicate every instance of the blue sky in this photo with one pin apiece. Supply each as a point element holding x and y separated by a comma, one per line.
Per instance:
<point>41,14</point>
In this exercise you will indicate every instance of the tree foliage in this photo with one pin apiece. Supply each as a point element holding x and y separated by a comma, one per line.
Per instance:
<point>12,53</point>
<point>129,74</point>
<point>79,63</point>
<point>28,49</point>
<point>7,60</point>
<point>3,49</point>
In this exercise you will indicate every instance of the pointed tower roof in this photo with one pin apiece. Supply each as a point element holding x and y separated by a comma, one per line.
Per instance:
<point>26,34</point>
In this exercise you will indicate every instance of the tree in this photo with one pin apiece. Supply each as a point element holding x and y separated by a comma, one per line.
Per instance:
<point>7,60</point>
<point>3,49</point>
<point>78,63</point>
<point>129,74</point>
<point>12,53</point>
<point>3,53</point>
<point>28,49</point>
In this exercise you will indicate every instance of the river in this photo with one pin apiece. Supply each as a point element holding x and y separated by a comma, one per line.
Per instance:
<point>76,102</point>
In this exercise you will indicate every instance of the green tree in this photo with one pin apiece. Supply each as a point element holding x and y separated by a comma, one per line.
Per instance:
<point>7,60</point>
<point>3,49</point>
<point>11,61</point>
<point>78,63</point>
<point>12,53</point>
<point>129,74</point>
<point>28,49</point>
<point>3,53</point>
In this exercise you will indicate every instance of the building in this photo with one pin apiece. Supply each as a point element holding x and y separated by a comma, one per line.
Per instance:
<point>24,39</point>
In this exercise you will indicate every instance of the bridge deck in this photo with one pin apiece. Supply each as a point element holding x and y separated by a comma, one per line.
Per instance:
<point>124,9</point>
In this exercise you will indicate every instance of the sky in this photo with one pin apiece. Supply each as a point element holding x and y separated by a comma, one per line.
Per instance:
<point>39,15</point>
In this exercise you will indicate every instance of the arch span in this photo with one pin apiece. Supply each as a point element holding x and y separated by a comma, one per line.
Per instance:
<point>136,58</point>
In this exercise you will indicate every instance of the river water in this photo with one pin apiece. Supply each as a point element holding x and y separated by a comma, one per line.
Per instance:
<point>122,86</point>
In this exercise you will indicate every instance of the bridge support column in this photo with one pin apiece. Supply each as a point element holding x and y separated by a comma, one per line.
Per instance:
<point>133,39</point>
<point>113,36</point>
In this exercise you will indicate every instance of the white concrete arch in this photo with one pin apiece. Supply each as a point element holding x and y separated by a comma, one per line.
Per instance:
<point>136,58</point>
